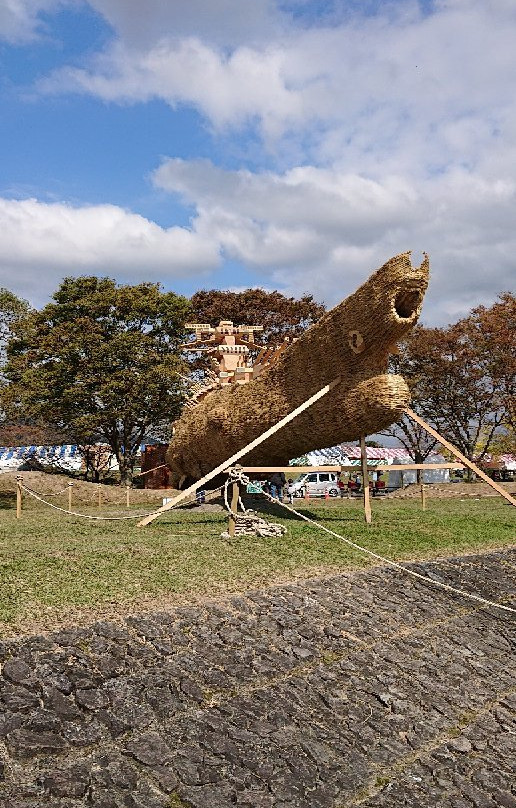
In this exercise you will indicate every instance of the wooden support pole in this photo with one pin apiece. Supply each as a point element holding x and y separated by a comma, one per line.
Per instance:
<point>19,480</point>
<point>365,480</point>
<point>423,496</point>
<point>127,496</point>
<point>70,487</point>
<point>234,508</point>
<point>232,460</point>
<point>463,459</point>
<point>99,491</point>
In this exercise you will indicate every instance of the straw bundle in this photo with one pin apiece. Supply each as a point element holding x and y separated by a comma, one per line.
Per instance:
<point>352,341</point>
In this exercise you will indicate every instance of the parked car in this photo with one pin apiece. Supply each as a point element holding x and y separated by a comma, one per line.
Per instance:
<point>316,483</point>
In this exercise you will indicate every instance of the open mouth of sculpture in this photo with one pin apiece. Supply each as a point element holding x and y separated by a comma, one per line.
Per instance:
<point>407,302</point>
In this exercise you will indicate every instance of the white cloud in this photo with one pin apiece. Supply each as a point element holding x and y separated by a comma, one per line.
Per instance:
<point>370,88</point>
<point>323,231</point>
<point>220,21</point>
<point>19,19</point>
<point>43,242</point>
<point>387,132</point>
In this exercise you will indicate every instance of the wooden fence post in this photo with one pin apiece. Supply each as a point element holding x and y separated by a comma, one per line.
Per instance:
<point>365,480</point>
<point>99,490</point>
<point>423,496</point>
<point>19,480</point>
<point>127,496</point>
<point>70,487</point>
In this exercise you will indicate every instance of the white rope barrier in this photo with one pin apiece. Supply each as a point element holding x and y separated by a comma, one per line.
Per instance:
<point>240,477</point>
<point>83,515</point>
<point>208,494</point>
<point>49,494</point>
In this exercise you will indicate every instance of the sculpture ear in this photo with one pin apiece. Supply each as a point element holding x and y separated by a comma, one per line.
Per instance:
<point>356,342</point>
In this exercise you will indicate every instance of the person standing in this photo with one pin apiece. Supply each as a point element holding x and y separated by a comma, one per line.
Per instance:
<point>277,482</point>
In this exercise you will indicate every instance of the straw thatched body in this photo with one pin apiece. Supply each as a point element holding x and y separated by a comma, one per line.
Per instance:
<point>352,341</point>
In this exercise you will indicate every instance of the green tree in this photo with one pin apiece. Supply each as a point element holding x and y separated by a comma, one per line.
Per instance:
<point>100,363</point>
<point>279,315</point>
<point>409,363</point>
<point>493,330</point>
<point>12,308</point>
<point>463,381</point>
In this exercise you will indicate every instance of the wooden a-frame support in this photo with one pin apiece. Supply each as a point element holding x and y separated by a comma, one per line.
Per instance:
<point>232,460</point>
<point>460,456</point>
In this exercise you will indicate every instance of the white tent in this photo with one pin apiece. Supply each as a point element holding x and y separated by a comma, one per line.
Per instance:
<point>13,458</point>
<point>349,455</point>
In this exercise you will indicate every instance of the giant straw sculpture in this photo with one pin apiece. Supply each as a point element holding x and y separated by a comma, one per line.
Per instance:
<point>352,341</point>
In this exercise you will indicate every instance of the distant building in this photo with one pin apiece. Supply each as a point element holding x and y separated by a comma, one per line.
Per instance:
<point>500,468</point>
<point>155,472</point>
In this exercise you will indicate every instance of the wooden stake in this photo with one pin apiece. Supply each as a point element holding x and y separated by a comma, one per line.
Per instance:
<point>461,457</point>
<point>365,480</point>
<point>423,496</point>
<point>100,495</point>
<point>231,460</point>
<point>19,479</point>
<point>127,496</point>
<point>234,508</point>
<point>70,486</point>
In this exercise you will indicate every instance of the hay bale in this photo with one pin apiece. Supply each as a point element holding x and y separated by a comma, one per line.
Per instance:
<point>352,341</point>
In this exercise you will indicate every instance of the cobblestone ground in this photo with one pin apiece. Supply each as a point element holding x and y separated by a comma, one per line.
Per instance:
<point>366,689</point>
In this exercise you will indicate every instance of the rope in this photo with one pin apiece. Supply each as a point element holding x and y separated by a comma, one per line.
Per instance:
<point>248,523</point>
<point>233,477</point>
<point>242,478</point>
<point>209,494</point>
<point>143,473</point>
<point>56,494</point>
<point>83,515</point>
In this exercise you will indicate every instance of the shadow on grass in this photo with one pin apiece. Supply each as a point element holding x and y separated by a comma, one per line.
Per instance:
<point>7,500</point>
<point>270,510</point>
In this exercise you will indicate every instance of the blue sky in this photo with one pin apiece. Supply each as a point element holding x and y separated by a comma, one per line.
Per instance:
<point>293,145</point>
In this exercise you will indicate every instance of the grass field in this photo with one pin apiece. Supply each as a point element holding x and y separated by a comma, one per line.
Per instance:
<point>55,568</point>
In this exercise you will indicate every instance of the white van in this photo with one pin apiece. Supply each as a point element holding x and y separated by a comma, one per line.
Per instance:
<point>316,483</point>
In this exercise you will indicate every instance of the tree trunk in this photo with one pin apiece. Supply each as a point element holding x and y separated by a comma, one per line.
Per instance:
<point>126,469</point>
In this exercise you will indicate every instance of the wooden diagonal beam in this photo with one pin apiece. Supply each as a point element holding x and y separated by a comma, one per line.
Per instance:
<point>232,460</point>
<point>463,459</point>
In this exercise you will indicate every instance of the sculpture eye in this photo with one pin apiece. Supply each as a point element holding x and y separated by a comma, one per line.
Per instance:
<point>356,342</point>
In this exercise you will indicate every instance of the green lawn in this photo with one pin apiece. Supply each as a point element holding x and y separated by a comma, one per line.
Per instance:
<point>52,565</point>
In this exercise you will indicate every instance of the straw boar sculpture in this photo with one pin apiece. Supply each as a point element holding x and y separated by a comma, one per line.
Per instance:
<point>352,341</point>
